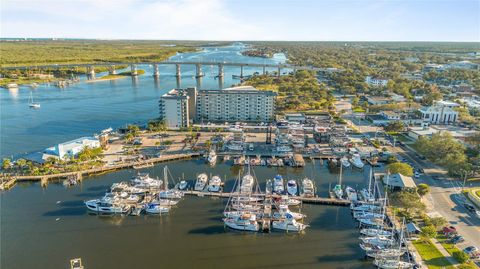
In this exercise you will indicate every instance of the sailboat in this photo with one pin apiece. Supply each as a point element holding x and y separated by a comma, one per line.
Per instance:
<point>169,193</point>
<point>31,103</point>
<point>338,188</point>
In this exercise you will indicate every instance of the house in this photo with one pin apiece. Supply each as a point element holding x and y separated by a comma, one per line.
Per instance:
<point>417,132</point>
<point>390,115</point>
<point>295,117</point>
<point>441,112</point>
<point>433,67</point>
<point>462,65</point>
<point>378,100</point>
<point>398,98</point>
<point>376,81</point>
<point>399,182</point>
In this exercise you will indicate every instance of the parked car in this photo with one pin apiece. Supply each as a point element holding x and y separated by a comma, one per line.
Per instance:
<point>457,239</point>
<point>472,251</point>
<point>417,174</point>
<point>449,230</point>
<point>470,207</point>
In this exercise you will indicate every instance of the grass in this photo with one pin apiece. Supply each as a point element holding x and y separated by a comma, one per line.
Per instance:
<point>431,255</point>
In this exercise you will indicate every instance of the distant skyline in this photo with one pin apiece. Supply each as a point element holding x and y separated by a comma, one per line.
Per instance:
<point>321,20</point>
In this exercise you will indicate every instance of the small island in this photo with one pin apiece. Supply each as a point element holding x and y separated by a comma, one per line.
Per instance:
<point>117,76</point>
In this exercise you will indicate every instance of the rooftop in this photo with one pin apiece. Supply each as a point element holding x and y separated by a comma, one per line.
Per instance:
<point>239,89</point>
<point>399,180</point>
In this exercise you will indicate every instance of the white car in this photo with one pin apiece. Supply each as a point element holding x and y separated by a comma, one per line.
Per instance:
<point>417,175</point>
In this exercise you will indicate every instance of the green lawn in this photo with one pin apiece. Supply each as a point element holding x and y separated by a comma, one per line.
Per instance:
<point>431,255</point>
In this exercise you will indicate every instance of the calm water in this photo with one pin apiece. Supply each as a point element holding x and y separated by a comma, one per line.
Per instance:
<point>44,228</point>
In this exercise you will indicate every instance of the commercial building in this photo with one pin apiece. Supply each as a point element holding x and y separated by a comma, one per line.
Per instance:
<point>376,81</point>
<point>244,103</point>
<point>441,112</point>
<point>399,182</point>
<point>174,107</point>
<point>72,148</point>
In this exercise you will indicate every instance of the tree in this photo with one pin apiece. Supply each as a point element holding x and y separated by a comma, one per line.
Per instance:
<point>401,168</point>
<point>437,222</point>
<point>407,200</point>
<point>129,137</point>
<point>392,159</point>
<point>423,189</point>
<point>461,256</point>
<point>395,126</point>
<point>6,163</point>
<point>429,231</point>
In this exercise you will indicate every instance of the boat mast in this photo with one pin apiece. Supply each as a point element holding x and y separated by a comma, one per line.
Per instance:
<point>165,177</point>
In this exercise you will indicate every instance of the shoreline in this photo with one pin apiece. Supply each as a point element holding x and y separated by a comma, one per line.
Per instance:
<point>105,79</point>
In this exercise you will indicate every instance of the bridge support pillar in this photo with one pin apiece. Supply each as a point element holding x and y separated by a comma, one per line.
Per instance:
<point>220,71</point>
<point>241,71</point>
<point>134,70</point>
<point>279,72</point>
<point>178,72</point>
<point>156,73</point>
<point>91,71</point>
<point>111,70</point>
<point>199,71</point>
<point>264,73</point>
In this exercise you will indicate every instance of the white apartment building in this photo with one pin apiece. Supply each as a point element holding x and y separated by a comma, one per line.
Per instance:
<point>376,81</point>
<point>441,112</point>
<point>244,103</point>
<point>174,108</point>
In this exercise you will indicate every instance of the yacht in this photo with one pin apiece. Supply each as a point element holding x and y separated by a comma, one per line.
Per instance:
<point>201,182</point>
<point>307,188</point>
<point>337,190</point>
<point>292,187</point>
<point>156,208</point>
<point>214,184</point>
<point>246,184</point>
<point>357,161</point>
<point>106,205</point>
<point>144,181</point>
<point>212,158</point>
<point>392,264</point>
<point>351,194</point>
<point>345,162</point>
<point>278,187</point>
<point>170,194</point>
<point>244,222</point>
<point>288,224</point>
<point>283,211</point>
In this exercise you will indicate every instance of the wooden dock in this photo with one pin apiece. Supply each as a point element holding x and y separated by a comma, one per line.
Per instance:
<point>307,200</point>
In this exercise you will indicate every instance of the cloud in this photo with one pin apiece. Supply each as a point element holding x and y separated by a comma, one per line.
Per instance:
<point>135,19</point>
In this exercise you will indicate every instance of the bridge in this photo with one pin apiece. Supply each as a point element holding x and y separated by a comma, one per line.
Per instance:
<point>90,68</point>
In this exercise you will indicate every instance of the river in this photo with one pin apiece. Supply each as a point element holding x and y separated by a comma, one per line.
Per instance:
<point>45,228</point>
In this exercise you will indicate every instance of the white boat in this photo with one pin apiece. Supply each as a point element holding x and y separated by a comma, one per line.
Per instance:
<point>288,224</point>
<point>387,253</point>
<point>235,213</point>
<point>374,232</point>
<point>351,194</point>
<point>338,191</point>
<point>31,103</point>
<point>244,222</point>
<point>308,190</point>
<point>235,146</point>
<point>365,207</point>
<point>165,202</point>
<point>212,157</point>
<point>183,185</point>
<point>144,181</point>
<point>367,196</point>
<point>269,187</point>
<point>214,184</point>
<point>12,86</point>
<point>156,208</point>
<point>381,241</point>
<point>367,215</point>
<point>284,149</point>
<point>246,184</point>
<point>246,207</point>
<point>283,211</point>
<point>201,182</point>
<point>345,162</point>
<point>170,194</point>
<point>392,264</point>
<point>292,187</point>
<point>278,186</point>
<point>371,222</point>
<point>357,161</point>
<point>106,205</point>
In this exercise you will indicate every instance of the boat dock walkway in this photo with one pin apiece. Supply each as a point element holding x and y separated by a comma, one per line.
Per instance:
<point>307,200</point>
<point>94,171</point>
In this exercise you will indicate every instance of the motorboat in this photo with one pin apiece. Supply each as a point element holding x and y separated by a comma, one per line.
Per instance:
<point>357,161</point>
<point>171,194</point>
<point>212,157</point>
<point>269,187</point>
<point>283,211</point>
<point>183,185</point>
<point>144,181</point>
<point>156,208</point>
<point>246,207</point>
<point>337,190</point>
<point>308,189</point>
<point>288,224</point>
<point>165,202</point>
<point>284,149</point>
<point>246,199</point>
<point>351,194</point>
<point>214,184</point>
<point>244,222</point>
<point>345,162</point>
<point>235,213</point>
<point>367,215</point>
<point>246,184</point>
<point>201,182</point>
<point>292,187</point>
<point>285,200</point>
<point>278,186</point>
<point>374,232</point>
<point>392,264</point>
<point>106,205</point>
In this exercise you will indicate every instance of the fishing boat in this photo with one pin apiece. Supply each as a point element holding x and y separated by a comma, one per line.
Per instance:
<point>308,190</point>
<point>288,224</point>
<point>31,103</point>
<point>201,182</point>
<point>392,264</point>
<point>212,157</point>
<point>278,186</point>
<point>357,161</point>
<point>244,222</point>
<point>351,194</point>
<point>183,185</point>
<point>156,208</point>
<point>292,187</point>
<point>214,184</point>
<point>345,162</point>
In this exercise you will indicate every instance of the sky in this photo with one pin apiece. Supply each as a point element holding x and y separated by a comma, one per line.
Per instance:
<point>309,20</point>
